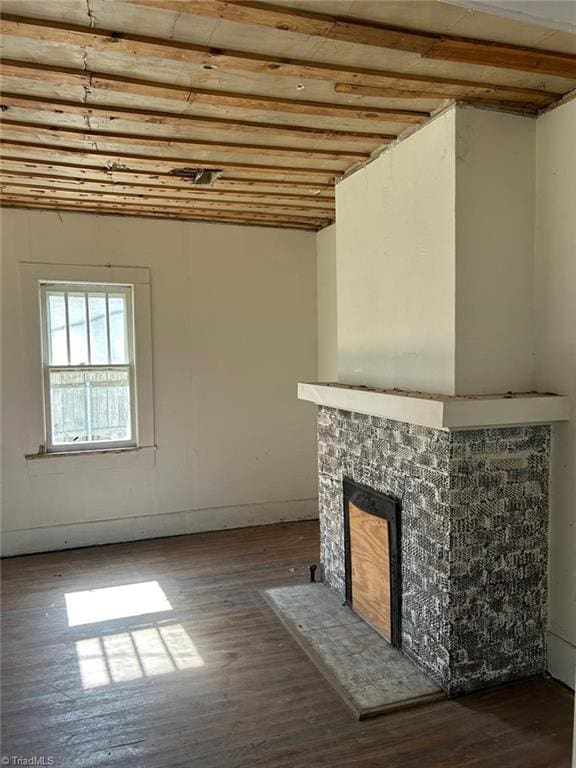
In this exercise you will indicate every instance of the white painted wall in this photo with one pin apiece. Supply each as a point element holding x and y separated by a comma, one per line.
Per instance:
<point>234,330</point>
<point>555,307</point>
<point>396,275</point>
<point>435,244</point>
<point>327,304</point>
<point>494,252</point>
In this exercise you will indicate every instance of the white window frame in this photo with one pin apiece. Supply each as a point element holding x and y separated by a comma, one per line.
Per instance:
<point>48,367</point>
<point>33,276</point>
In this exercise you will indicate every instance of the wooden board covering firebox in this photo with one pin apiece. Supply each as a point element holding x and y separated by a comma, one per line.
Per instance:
<point>370,569</point>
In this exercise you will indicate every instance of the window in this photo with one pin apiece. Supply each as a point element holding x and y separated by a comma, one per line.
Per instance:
<point>88,365</point>
<point>87,356</point>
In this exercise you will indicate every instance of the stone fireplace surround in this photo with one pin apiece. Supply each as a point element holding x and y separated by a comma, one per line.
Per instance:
<point>474,529</point>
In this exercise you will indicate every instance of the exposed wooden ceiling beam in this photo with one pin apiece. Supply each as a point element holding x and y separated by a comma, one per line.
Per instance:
<point>103,211</point>
<point>52,181</point>
<point>56,200</point>
<point>98,138</point>
<point>376,92</point>
<point>350,30</point>
<point>151,89</point>
<point>116,159</point>
<point>112,210</point>
<point>259,103</point>
<point>241,61</point>
<point>184,210</point>
<point>156,199</point>
<point>56,175</point>
<point>92,151</point>
<point>60,167</point>
<point>58,107</point>
<point>143,205</point>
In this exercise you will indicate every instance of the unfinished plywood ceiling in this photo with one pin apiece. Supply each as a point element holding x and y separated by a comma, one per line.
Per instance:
<point>115,106</point>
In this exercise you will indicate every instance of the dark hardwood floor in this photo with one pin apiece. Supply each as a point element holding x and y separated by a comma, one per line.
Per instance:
<point>212,680</point>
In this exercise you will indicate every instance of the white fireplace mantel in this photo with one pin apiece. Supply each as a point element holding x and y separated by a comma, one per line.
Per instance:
<point>440,411</point>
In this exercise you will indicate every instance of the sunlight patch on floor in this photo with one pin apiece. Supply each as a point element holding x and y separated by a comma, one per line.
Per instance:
<point>95,605</point>
<point>135,654</point>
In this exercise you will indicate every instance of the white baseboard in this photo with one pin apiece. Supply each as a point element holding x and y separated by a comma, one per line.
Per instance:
<point>561,659</point>
<point>56,537</point>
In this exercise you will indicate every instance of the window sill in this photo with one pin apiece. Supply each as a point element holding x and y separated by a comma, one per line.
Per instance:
<point>71,461</point>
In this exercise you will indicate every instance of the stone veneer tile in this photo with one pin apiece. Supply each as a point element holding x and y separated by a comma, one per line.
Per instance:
<point>473,543</point>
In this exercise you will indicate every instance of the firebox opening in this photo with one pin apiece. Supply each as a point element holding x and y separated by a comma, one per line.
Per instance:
<point>372,558</point>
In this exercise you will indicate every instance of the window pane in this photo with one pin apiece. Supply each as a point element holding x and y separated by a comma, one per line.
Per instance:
<point>90,406</point>
<point>117,316</point>
<point>58,345</point>
<point>78,329</point>
<point>98,331</point>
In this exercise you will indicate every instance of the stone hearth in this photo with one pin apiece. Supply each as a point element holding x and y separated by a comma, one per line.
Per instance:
<point>370,675</point>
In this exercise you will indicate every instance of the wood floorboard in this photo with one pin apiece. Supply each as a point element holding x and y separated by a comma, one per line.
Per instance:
<point>253,700</point>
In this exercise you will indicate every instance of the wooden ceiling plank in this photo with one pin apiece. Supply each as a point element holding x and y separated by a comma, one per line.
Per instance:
<point>156,200</point>
<point>138,140</point>
<point>16,188</point>
<point>66,169</point>
<point>503,56</point>
<point>52,73</point>
<point>403,81</point>
<point>189,96</point>
<point>187,215</point>
<point>258,216</point>
<point>304,22</point>
<point>229,99</point>
<point>101,211</point>
<point>105,182</point>
<point>350,30</point>
<point>287,214</point>
<point>475,96</point>
<point>240,213</point>
<point>9,101</point>
<point>119,159</point>
<point>51,181</point>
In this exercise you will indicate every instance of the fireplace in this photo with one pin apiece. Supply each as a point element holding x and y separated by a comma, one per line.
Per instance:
<point>372,558</point>
<point>462,588</point>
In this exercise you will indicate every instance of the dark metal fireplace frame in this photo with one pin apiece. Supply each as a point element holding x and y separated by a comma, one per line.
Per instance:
<point>379,504</point>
